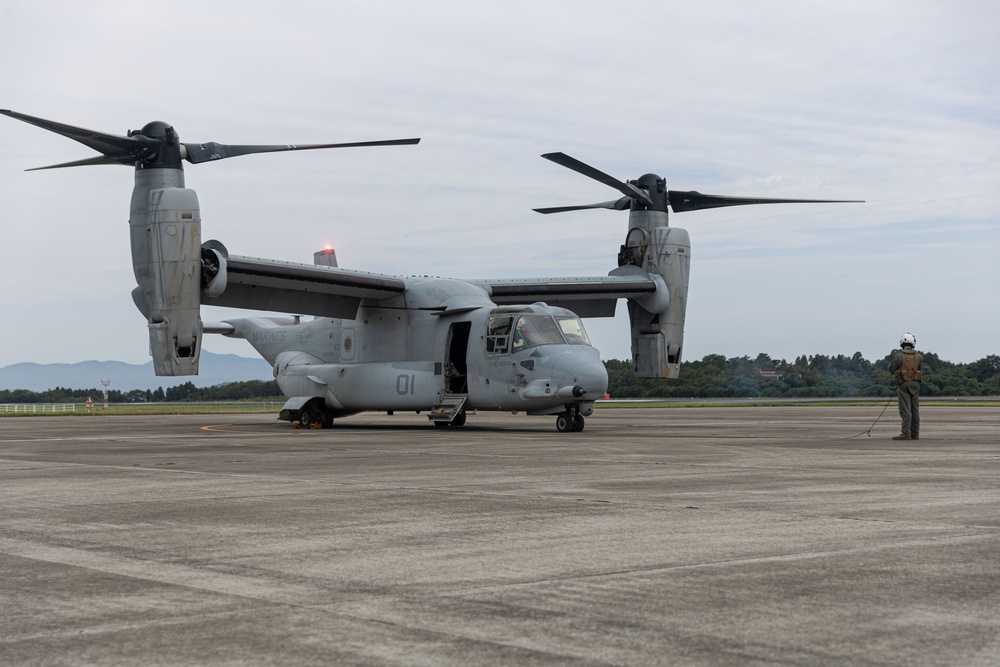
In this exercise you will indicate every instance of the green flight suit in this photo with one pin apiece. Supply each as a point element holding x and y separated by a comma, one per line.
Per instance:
<point>906,366</point>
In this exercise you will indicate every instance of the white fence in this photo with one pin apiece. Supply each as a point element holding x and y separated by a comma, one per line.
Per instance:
<point>36,408</point>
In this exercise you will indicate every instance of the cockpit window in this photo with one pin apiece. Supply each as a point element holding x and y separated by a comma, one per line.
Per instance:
<point>510,333</point>
<point>573,330</point>
<point>534,330</point>
<point>498,334</point>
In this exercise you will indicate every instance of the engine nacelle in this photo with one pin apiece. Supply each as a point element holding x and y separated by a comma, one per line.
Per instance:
<point>166,256</point>
<point>657,321</point>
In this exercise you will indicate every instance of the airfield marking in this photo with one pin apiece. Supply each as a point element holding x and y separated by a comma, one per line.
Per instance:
<point>131,438</point>
<point>219,428</point>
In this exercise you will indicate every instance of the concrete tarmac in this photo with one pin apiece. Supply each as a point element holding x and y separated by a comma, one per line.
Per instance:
<point>686,536</point>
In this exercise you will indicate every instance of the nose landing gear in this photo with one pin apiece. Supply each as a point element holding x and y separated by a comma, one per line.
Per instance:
<point>571,420</point>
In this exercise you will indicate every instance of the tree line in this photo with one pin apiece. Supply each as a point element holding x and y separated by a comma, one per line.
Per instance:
<point>234,391</point>
<point>714,376</point>
<point>817,376</point>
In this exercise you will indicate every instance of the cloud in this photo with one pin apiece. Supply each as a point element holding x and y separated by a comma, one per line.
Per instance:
<point>893,103</point>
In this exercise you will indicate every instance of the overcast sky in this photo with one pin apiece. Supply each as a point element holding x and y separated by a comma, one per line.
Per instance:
<point>893,102</point>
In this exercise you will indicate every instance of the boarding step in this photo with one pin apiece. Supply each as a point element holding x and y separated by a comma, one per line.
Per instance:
<point>448,407</point>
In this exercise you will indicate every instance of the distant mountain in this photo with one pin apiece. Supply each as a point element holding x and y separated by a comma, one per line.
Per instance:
<point>214,369</point>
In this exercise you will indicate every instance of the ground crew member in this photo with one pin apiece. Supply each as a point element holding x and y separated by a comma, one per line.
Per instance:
<point>905,366</point>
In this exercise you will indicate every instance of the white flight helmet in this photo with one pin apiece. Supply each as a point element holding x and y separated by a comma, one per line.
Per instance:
<point>908,339</point>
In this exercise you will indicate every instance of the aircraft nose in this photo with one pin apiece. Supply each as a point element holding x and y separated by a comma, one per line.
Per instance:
<point>582,367</point>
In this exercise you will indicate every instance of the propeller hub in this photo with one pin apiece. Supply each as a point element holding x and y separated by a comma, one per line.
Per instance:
<point>157,130</point>
<point>656,188</point>
<point>157,146</point>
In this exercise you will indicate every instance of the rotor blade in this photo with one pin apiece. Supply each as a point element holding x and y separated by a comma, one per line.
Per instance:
<point>197,153</point>
<point>103,159</point>
<point>694,201</point>
<point>626,189</point>
<point>616,205</point>
<point>119,149</point>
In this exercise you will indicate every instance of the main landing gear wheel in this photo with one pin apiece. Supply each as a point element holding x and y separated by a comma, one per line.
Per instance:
<point>313,417</point>
<point>307,418</point>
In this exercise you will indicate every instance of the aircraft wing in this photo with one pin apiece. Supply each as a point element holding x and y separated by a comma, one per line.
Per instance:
<point>586,296</point>
<point>306,289</point>
<point>301,289</point>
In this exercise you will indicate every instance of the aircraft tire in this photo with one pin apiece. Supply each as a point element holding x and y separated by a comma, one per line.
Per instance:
<point>564,423</point>
<point>578,423</point>
<point>459,420</point>
<point>306,418</point>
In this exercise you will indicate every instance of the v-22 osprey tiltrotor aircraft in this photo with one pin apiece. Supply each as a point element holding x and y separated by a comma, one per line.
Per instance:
<point>379,342</point>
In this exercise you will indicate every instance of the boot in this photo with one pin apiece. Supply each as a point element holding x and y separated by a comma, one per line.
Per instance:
<point>901,436</point>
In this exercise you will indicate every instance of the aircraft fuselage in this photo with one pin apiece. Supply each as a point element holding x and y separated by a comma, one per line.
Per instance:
<point>535,359</point>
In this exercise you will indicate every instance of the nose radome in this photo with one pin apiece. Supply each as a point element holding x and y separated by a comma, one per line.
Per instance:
<point>596,382</point>
<point>582,366</point>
